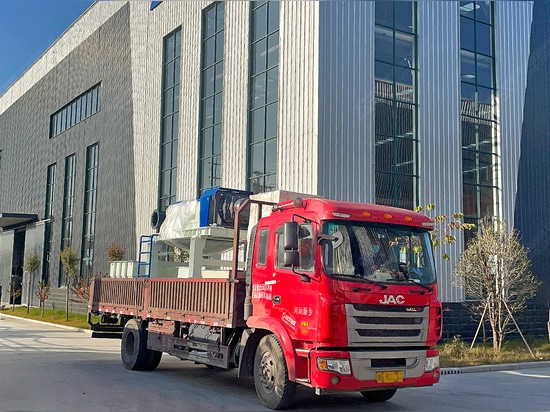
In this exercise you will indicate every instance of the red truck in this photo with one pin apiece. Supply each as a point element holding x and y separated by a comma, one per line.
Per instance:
<point>336,296</point>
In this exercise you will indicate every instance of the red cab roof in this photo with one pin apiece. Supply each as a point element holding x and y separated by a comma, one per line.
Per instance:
<point>334,209</point>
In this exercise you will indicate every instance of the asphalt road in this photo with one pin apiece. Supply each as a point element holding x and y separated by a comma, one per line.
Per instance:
<point>47,368</point>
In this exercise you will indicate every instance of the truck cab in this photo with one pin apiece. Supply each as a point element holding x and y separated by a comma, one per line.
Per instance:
<point>350,292</point>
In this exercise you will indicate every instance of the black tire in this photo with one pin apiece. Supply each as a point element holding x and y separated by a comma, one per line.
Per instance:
<point>153,359</point>
<point>273,387</point>
<point>379,396</point>
<point>133,348</point>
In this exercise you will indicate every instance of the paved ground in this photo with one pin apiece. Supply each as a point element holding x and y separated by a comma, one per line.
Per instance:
<point>47,368</point>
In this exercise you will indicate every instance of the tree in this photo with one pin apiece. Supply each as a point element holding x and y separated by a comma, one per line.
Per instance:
<point>14,294</point>
<point>444,226</point>
<point>495,271</point>
<point>43,293</point>
<point>30,265</point>
<point>69,260</point>
<point>115,253</point>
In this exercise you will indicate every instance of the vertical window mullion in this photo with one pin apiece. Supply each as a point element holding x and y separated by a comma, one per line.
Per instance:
<point>396,184</point>
<point>474,115</point>
<point>170,113</point>
<point>211,97</point>
<point>264,32</point>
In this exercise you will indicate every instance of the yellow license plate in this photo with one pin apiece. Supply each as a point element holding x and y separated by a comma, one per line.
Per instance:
<point>389,376</point>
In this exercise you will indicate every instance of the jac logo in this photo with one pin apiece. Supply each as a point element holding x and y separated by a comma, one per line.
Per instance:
<point>390,299</point>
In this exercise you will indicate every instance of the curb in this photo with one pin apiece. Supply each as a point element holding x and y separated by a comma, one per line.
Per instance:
<point>87,331</point>
<point>495,368</point>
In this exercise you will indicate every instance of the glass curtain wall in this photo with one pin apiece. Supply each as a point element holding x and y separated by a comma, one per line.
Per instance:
<point>477,75</point>
<point>170,119</point>
<point>210,139</point>
<point>48,214</point>
<point>68,211</point>
<point>396,141</point>
<point>264,82</point>
<point>90,202</point>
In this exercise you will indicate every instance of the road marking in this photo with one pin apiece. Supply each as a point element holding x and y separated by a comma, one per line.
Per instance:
<point>529,375</point>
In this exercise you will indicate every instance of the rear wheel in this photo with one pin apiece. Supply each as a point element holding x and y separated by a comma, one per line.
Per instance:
<point>133,348</point>
<point>273,387</point>
<point>379,396</point>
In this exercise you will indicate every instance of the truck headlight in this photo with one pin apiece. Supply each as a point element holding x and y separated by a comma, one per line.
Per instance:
<point>341,366</point>
<point>432,363</point>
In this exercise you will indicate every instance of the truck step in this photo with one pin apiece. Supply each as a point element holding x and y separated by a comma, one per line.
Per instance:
<point>107,331</point>
<point>107,335</point>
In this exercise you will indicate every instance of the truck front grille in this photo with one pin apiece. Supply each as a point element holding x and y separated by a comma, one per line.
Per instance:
<point>371,325</point>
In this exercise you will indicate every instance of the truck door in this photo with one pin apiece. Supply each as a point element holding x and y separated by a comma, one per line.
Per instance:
<point>295,290</point>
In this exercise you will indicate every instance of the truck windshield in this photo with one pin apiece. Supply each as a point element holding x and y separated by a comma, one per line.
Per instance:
<point>377,253</point>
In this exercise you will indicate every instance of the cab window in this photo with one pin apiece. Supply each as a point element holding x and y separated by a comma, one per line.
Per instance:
<point>262,247</point>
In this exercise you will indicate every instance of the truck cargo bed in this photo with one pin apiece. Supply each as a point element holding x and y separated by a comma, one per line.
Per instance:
<point>217,302</point>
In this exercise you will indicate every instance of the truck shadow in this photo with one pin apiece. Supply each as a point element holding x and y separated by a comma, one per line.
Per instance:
<point>224,382</point>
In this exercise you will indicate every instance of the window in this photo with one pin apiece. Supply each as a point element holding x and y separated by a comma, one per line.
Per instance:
<point>48,214</point>
<point>263,96</point>
<point>396,141</point>
<point>262,249</point>
<point>381,253</point>
<point>170,119</point>
<point>306,259</point>
<point>75,111</point>
<point>477,81</point>
<point>90,205</point>
<point>68,210</point>
<point>210,139</point>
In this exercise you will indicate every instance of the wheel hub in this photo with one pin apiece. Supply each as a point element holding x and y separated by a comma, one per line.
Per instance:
<point>267,377</point>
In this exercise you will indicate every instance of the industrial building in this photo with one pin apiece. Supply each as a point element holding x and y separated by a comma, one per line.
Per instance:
<point>141,104</point>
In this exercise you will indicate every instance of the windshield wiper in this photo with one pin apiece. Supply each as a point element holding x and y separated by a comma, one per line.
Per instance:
<point>374,282</point>
<point>428,288</point>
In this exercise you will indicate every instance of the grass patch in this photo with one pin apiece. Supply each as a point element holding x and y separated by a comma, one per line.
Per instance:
<point>457,353</point>
<point>76,320</point>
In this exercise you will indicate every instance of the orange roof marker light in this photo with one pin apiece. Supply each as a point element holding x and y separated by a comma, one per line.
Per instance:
<point>387,216</point>
<point>366,213</point>
<point>408,219</point>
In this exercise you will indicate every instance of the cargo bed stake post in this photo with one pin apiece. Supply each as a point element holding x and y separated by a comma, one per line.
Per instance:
<point>236,229</point>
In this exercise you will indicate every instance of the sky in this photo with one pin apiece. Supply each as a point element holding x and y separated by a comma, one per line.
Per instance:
<point>28,28</point>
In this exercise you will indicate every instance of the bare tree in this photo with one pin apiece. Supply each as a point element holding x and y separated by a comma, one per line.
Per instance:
<point>43,293</point>
<point>69,260</point>
<point>30,265</point>
<point>495,272</point>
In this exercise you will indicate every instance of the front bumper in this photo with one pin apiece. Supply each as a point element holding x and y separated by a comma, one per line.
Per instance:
<point>370,370</point>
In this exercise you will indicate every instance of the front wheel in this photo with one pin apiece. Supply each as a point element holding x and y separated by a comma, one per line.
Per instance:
<point>379,396</point>
<point>273,387</point>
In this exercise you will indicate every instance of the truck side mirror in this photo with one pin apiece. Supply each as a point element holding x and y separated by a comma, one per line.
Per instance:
<point>290,237</point>
<point>291,258</point>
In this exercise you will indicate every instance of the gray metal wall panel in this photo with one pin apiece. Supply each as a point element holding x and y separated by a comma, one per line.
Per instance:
<point>148,31</point>
<point>298,88</point>
<point>533,197</point>
<point>104,56</point>
<point>346,98</point>
<point>235,95</point>
<point>6,257</point>
<point>513,28</point>
<point>439,123</point>
<point>34,243</point>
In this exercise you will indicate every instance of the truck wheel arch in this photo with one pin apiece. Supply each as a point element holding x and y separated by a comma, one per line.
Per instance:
<point>251,339</point>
